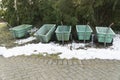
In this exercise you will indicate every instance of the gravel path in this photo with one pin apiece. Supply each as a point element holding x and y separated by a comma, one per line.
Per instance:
<point>34,68</point>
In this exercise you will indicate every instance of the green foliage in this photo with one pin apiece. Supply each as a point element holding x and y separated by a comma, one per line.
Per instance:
<point>70,12</point>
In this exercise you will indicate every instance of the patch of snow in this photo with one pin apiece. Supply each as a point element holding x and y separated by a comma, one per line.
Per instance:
<point>23,41</point>
<point>116,43</point>
<point>33,30</point>
<point>112,52</point>
<point>77,45</point>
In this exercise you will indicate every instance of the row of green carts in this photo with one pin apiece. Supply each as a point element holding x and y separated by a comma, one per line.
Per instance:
<point>63,32</point>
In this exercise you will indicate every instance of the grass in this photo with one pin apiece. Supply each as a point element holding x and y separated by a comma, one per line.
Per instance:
<point>49,56</point>
<point>37,55</point>
<point>74,58</point>
<point>6,39</point>
<point>53,56</point>
<point>46,55</point>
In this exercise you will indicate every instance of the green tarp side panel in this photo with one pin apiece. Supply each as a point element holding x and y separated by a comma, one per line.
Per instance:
<point>21,30</point>
<point>45,33</point>
<point>63,33</point>
<point>105,35</point>
<point>84,32</point>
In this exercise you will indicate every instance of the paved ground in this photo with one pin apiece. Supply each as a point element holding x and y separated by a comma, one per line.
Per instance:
<point>34,68</point>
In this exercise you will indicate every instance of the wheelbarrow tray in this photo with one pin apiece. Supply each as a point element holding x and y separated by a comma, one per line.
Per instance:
<point>45,33</point>
<point>63,32</point>
<point>84,32</point>
<point>21,30</point>
<point>103,35</point>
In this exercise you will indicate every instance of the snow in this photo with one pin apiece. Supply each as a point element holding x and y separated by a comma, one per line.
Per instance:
<point>112,52</point>
<point>23,41</point>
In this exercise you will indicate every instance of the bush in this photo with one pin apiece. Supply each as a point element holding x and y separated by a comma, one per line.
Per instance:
<point>71,12</point>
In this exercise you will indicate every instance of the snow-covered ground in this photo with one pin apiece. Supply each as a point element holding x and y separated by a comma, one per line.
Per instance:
<point>112,52</point>
<point>22,41</point>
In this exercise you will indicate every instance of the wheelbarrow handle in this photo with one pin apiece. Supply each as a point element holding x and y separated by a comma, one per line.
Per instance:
<point>111,24</point>
<point>61,23</point>
<point>88,23</point>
